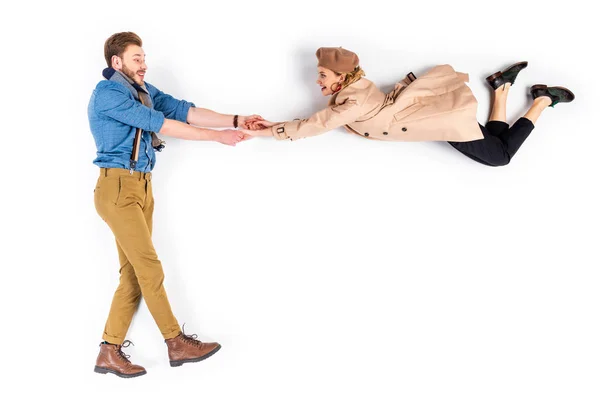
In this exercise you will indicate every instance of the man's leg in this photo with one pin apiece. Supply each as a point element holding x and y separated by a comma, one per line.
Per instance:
<point>125,302</point>
<point>120,200</point>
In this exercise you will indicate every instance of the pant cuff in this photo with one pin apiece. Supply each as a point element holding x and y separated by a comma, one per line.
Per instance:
<point>496,127</point>
<point>172,334</point>
<point>493,121</point>
<point>525,121</point>
<point>113,339</point>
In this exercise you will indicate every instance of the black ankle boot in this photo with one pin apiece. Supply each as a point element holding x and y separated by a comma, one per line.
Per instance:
<point>557,94</point>
<point>507,76</point>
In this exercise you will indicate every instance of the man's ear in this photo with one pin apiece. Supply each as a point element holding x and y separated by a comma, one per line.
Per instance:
<point>116,62</point>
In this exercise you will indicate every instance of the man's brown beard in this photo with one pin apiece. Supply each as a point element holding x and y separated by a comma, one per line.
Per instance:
<point>129,73</point>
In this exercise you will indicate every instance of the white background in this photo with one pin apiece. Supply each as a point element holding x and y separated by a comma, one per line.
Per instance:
<point>328,268</point>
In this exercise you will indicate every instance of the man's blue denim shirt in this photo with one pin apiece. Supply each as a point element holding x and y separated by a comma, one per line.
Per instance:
<point>114,114</point>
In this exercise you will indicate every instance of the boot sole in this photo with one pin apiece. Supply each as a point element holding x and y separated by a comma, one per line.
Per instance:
<point>101,370</point>
<point>179,363</point>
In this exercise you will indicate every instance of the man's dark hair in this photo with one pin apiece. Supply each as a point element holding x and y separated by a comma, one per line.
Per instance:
<point>117,43</point>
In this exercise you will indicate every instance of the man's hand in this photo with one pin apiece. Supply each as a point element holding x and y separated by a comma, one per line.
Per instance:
<point>231,137</point>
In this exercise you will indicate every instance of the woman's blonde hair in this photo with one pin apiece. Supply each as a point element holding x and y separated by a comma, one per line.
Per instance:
<point>353,76</point>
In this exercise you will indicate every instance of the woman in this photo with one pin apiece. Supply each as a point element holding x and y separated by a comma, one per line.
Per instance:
<point>438,106</point>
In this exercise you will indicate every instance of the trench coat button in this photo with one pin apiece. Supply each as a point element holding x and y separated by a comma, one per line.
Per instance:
<point>366,133</point>
<point>404,129</point>
<point>385,133</point>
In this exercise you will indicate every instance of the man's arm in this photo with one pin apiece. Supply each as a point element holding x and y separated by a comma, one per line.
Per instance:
<point>114,101</point>
<point>210,119</point>
<point>184,131</point>
<point>184,111</point>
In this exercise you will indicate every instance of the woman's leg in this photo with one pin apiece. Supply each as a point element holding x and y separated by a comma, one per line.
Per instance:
<point>499,145</point>
<point>501,82</point>
<point>539,105</point>
<point>543,97</point>
<point>497,123</point>
<point>514,137</point>
<point>499,106</point>
<point>491,150</point>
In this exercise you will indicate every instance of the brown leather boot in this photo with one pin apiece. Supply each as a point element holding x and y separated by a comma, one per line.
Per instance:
<point>186,348</point>
<point>112,360</point>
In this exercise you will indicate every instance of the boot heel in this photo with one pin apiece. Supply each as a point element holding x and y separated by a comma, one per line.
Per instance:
<point>495,80</point>
<point>493,77</point>
<point>101,370</point>
<point>176,363</point>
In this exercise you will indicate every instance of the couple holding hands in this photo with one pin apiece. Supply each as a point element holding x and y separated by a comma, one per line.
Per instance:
<point>125,112</point>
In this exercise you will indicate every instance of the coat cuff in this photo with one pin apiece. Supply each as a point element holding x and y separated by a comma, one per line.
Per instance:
<point>283,131</point>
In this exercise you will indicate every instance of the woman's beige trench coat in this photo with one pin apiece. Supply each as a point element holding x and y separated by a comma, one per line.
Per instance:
<point>436,106</point>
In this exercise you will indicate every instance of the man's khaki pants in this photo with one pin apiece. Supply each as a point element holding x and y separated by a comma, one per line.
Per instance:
<point>125,203</point>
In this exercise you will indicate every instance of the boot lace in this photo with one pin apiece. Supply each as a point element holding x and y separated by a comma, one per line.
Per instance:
<point>192,339</point>
<point>124,356</point>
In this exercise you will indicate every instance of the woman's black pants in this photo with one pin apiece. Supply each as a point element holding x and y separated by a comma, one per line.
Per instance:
<point>499,144</point>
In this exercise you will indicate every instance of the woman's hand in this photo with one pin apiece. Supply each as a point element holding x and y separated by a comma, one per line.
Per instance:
<point>256,132</point>
<point>256,122</point>
<point>251,122</point>
<point>265,124</point>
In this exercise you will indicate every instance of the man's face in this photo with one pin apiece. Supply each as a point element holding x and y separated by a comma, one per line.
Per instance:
<point>133,63</point>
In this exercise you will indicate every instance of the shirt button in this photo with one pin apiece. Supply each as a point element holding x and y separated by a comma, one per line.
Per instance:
<point>366,133</point>
<point>404,129</point>
<point>385,133</point>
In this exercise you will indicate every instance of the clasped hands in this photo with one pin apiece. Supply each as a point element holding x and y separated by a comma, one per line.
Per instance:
<point>248,127</point>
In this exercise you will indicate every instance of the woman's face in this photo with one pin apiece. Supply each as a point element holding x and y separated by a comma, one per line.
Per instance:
<point>328,79</point>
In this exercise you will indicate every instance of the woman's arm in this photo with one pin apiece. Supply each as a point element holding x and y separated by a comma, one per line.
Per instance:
<point>325,120</point>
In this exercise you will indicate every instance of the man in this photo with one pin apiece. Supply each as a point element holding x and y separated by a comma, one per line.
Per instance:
<point>124,112</point>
